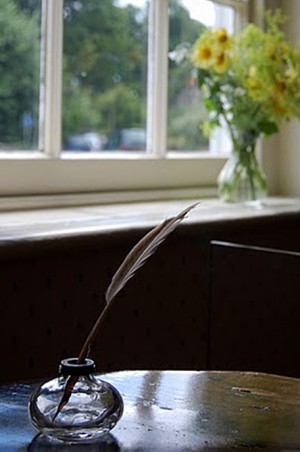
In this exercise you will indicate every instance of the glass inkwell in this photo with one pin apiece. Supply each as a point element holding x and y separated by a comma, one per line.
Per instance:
<point>93,409</point>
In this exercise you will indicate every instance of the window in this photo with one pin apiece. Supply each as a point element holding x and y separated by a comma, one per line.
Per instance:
<point>94,104</point>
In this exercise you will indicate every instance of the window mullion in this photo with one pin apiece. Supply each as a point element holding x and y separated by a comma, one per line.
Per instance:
<point>52,77</point>
<point>157,77</point>
<point>241,9</point>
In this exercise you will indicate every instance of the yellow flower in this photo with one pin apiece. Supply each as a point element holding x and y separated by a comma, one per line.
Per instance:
<point>222,36</point>
<point>252,71</point>
<point>221,63</point>
<point>205,53</point>
<point>291,74</point>
<point>202,56</point>
<point>270,49</point>
<point>253,83</point>
<point>211,51</point>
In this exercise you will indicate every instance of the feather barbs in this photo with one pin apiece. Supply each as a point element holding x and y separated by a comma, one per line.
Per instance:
<point>141,252</point>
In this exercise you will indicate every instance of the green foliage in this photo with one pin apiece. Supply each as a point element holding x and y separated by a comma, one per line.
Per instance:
<point>19,68</point>
<point>183,130</point>
<point>111,107</point>
<point>105,58</point>
<point>80,113</point>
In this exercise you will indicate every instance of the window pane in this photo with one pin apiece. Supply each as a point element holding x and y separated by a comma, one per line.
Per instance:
<point>20,74</point>
<point>188,18</point>
<point>105,75</point>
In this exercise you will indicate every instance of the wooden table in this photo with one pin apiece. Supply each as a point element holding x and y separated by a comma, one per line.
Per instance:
<point>178,411</point>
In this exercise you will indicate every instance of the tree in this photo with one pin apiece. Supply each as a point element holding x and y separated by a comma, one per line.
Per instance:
<point>19,66</point>
<point>111,106</point>
<point>103,48</point>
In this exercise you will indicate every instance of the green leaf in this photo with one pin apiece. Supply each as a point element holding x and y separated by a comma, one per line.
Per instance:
<point>202,76</point>
<point>267,127</point>
<point>210,105</point>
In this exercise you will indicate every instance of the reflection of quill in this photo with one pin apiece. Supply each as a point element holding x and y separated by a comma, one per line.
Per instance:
<point>133,261</point>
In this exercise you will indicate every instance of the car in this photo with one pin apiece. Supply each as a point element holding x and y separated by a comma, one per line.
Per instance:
<point>131,139</point>
<point>89,141</point>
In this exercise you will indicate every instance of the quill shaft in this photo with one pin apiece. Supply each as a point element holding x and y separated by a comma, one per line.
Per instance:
<point>92,335</point>
<point>72,380</point>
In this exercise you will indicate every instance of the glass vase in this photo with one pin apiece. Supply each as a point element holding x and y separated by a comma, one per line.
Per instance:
<point>93,409</point>
<point>242,178</point>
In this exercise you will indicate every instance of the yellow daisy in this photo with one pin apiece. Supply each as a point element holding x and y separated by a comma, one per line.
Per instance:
<point>221,63</point>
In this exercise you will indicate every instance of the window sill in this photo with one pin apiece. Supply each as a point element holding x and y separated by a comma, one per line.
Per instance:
<point>87,175</point>
<point>55,223</point>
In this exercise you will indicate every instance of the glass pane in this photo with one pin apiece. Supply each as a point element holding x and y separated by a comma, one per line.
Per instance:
<point>187,19</point>
<point>105,75</point>
<point>20,74</point>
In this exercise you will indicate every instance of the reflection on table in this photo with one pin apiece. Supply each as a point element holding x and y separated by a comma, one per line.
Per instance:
<point>176,411</point>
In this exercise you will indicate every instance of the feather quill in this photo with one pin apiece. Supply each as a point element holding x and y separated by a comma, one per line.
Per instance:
<point>132,262</point>
<point>141,252</point>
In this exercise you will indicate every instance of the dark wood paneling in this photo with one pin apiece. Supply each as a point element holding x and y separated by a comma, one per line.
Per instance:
<point>254,309</point>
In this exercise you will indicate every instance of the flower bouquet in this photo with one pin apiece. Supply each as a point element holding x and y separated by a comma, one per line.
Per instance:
<point>250,83</point>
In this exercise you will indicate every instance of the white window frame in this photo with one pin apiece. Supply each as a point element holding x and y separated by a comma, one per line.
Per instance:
<point>51,173</point>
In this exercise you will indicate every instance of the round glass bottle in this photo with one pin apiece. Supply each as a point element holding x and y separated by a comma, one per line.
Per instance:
<point>93,408</point>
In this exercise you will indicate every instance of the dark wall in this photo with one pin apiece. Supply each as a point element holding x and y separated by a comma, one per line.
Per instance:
<point>254,319</point>
<point>51,292</point>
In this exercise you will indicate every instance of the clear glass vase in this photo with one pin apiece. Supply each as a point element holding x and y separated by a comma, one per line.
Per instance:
<point>93,409</point>
<point>242,178</point>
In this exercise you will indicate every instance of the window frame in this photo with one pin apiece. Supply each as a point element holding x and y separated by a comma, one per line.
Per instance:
<point>51,173</point>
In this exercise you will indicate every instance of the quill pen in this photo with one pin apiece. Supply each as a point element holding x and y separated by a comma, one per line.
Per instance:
<point>132,262</point>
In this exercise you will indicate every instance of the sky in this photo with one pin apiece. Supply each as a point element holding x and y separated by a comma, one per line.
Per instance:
<point>202,10</point>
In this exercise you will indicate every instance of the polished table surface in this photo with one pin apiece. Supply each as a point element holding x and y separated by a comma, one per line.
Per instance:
<point>177,411</point>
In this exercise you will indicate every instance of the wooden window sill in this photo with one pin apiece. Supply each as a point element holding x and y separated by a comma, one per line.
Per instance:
<point>50,224</point>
